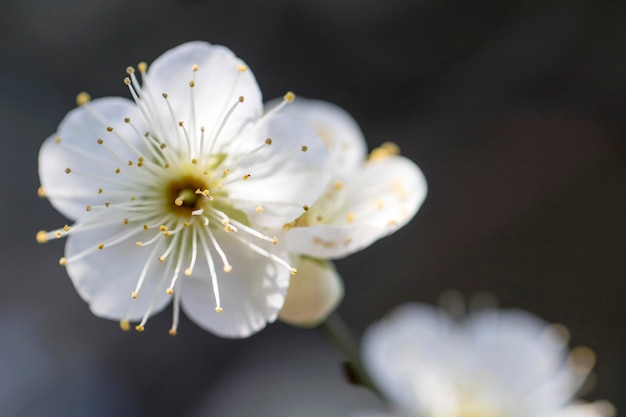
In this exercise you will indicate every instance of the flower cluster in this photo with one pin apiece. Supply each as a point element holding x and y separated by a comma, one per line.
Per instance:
<point>194,192</point>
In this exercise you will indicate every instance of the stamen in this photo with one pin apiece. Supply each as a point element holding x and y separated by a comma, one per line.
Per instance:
<point>227,267</point>
<point>212,272</point>
<point>194,249</point>
<point>224,120</point>
<point>173,117</point>
<point>144,272</point>
<point>175,314</point>
<point>177,268</point>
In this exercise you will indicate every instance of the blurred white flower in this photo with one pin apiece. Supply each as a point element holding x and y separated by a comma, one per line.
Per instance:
<point>173,194</point>
<point>491,364</point>
<point>366,200</point>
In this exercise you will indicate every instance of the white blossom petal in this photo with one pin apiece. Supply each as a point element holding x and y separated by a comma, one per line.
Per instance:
<point>372,203</point>
<point>107,285</point>
<point>337,129</point>
<point>219,81</point>
<point>73,166</point>
<point>300,156</point>
<point>251,294</point>
<point>313,293</point>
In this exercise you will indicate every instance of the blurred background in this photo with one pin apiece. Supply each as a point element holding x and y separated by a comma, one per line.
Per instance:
<point>514,110</point>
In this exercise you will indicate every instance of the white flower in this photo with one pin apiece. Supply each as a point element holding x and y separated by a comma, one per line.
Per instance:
<point>367,198</point>
<point>191,174</point>
<point>491,364</point>
<point>364,201</point>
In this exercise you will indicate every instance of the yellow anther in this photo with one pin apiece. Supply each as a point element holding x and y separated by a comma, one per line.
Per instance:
<point>57,234</point>
<point>87,208</point>
<point>109,129</point>
<point>293,271</point>
<point>305,207</point>
<point>268,141</point>
<point>63,261</point>
<point>194,67</point>
<point>133,199</point>
<point>126,221</point>
<point>66,228</point>
<point>101,246</point>
<point>218,310</point>
<point>172,332</point>
<point>139,243</point>
<point>338,185</point>
<point>289,97</point>
<point>246,177</point>
<point>42,236</point>
<point>142,67</point>
<point>275,240</point>
<point>259,209</point>
<point>218,186</point>
<point>194,161</point>
<point>99,141</point>
<point>146,227</point>
<point>127,81</point>
<point>126,119</point>
<point>82,98</point>
<point>164,95</point>
<point>350,217</point>
<point>139,328</point>
<point>226,171</point>
<point>117,170</point>
<point>185,224</point>
<point>162,146</point>
<point>188,272</point>
<point>68,170</point>
<point>130,163</point>
<point>169,291</point>
<point>161,258</point>
<point>166,234</point>
<point>241,99</point>
<point>242,68</point>
<point>133,294</point>
<point>181,123</point>
<point>107,203</point>
<point>41,192</point>
<point>57,139</point>
<point>100,191</point>
<point>385,150</point>
<point>391,223</point>
<point>124,325</point>
<point>228,268</point>
<point>130,70</point>
<point>304,148</point>
<point>192,84</point>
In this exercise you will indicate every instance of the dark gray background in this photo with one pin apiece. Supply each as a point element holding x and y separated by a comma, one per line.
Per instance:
<point>514,110</point>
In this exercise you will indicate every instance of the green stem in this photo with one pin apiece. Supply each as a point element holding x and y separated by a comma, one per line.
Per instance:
<point>337,331</point>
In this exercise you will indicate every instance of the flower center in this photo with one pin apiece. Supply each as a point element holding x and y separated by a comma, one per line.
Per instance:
<point>185,195</point>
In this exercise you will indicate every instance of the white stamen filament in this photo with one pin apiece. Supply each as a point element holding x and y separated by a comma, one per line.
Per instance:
<point>212,272</point>
<point>144,272</point>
